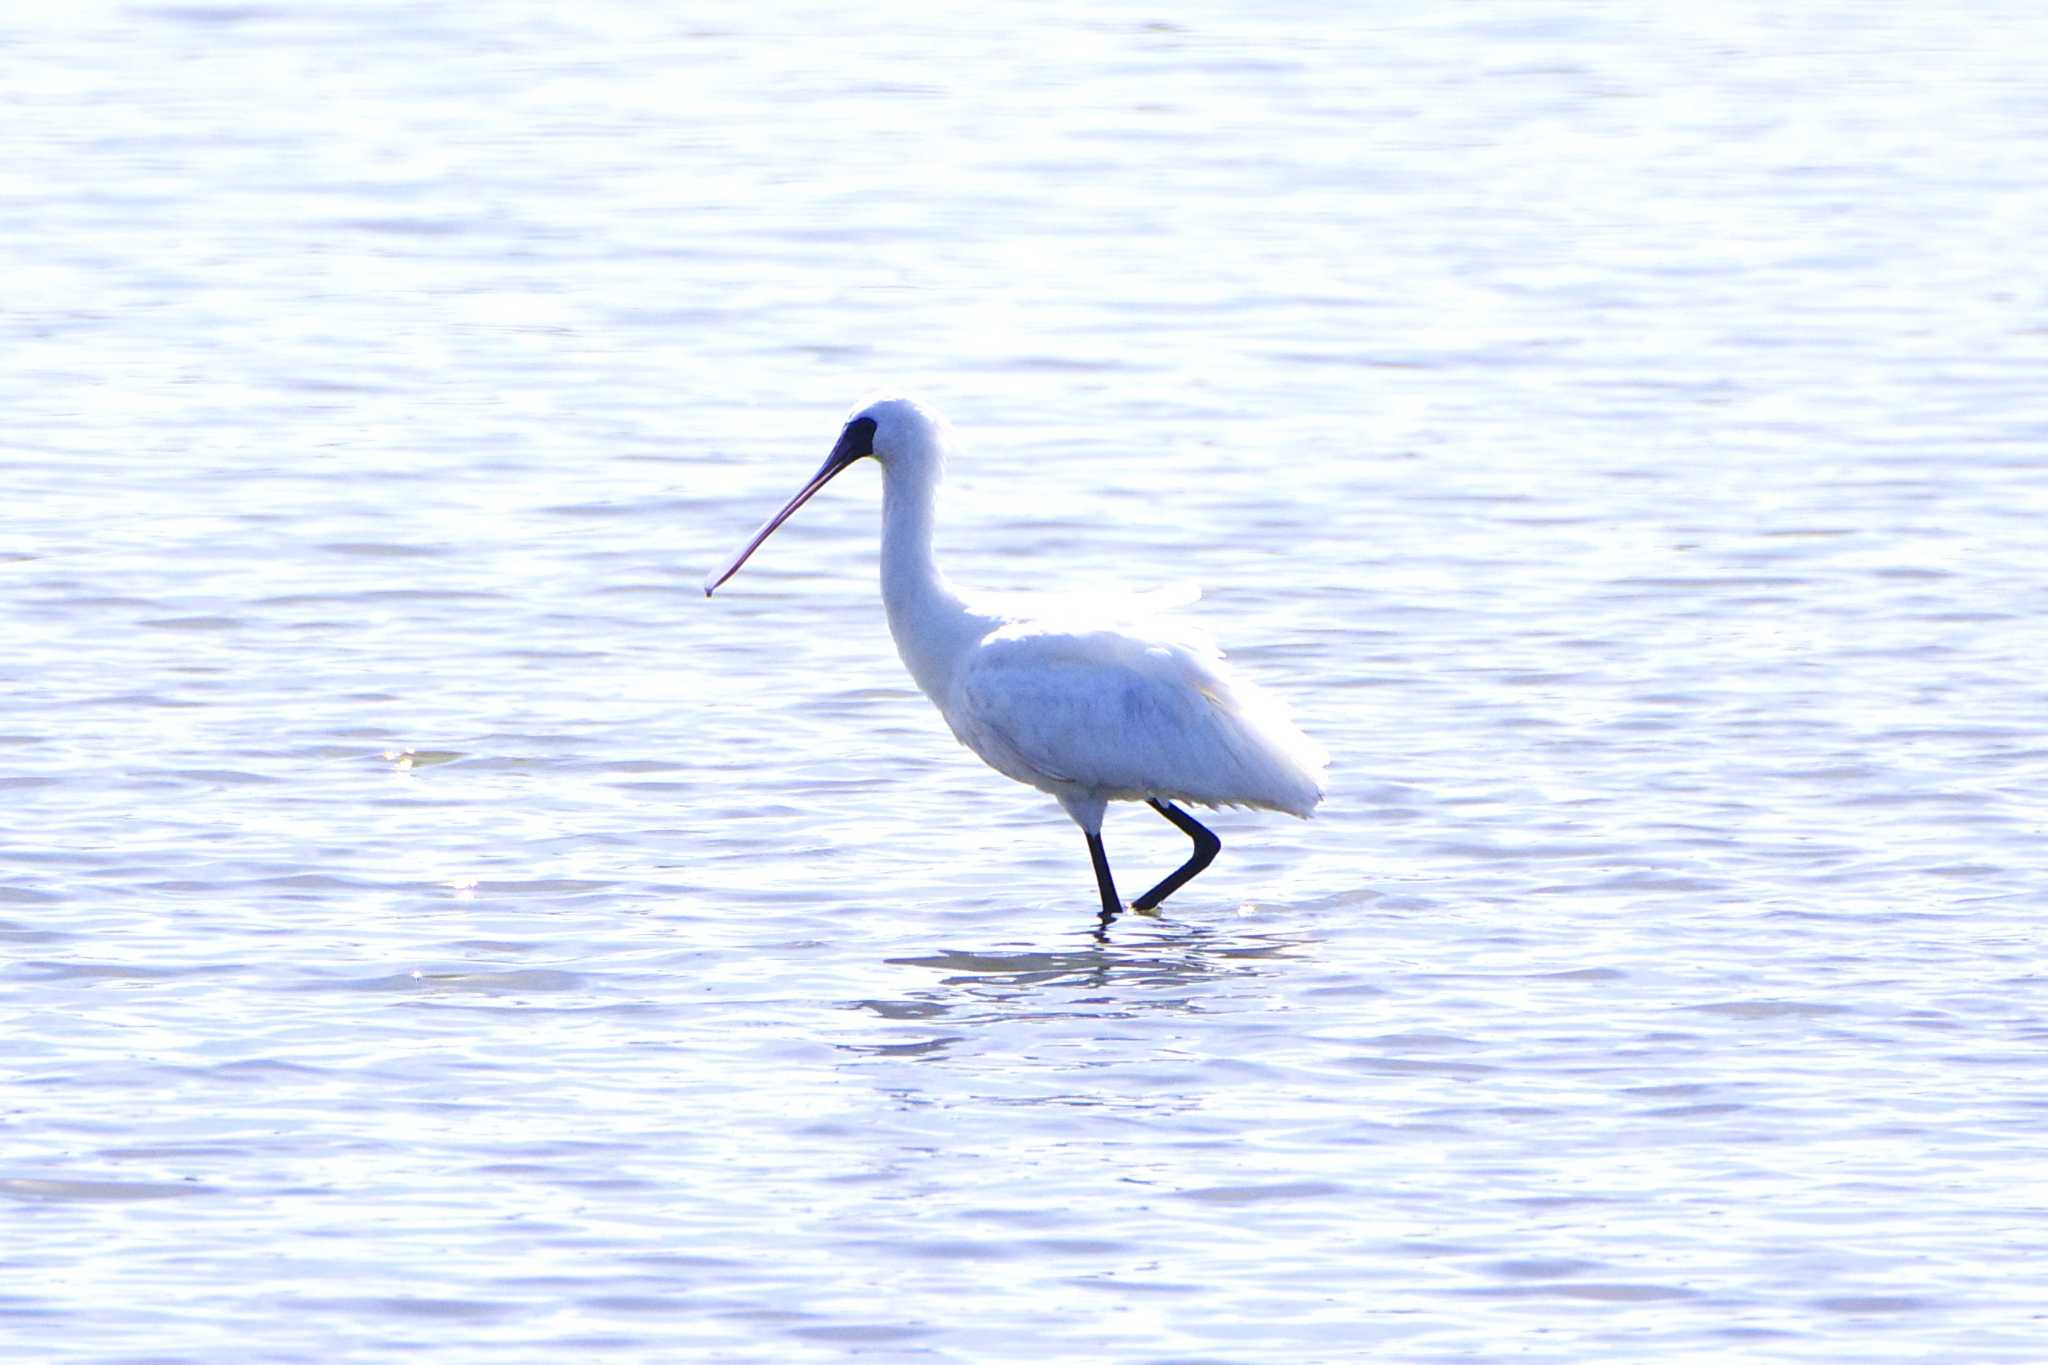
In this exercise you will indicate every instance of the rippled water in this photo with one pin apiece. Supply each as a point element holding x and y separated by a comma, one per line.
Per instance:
<point>1618,431</point>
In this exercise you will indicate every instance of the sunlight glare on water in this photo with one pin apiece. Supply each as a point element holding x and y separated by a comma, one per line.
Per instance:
<point>1616,431</point>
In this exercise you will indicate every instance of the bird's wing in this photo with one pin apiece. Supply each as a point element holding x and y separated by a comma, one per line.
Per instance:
<point>1130,717</point>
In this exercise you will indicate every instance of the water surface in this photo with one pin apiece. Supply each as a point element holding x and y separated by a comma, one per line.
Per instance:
<point>429,924</point>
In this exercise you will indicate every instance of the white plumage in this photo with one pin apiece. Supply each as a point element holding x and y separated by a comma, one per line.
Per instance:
<point>1091,711</point>
<point>1111,716</point>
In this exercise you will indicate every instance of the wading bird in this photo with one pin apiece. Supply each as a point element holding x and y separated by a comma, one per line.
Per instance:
<point>1087,713</point>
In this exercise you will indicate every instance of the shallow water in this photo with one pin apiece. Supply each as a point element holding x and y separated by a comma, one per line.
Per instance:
<point>1617,431</point>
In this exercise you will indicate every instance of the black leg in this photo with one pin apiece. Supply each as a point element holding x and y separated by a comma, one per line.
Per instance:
<point>1207,846</point>
<point>1103,882</point>
<point>1111,906</point>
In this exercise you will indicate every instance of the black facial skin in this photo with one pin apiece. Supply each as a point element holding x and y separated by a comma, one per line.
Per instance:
<point>857,441</point>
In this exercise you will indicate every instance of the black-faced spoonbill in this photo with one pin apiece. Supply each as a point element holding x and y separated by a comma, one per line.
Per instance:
<point>1091,715</point>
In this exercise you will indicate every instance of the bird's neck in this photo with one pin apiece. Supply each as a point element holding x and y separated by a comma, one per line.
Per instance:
<point>934,629</point>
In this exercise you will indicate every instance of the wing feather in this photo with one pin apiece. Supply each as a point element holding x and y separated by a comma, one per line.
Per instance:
<point>1128,718</point>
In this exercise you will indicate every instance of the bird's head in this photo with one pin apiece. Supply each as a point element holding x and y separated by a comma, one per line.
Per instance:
<point>907,439</point>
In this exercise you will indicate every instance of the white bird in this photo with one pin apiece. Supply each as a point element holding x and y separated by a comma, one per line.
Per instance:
<point>1087,713</point>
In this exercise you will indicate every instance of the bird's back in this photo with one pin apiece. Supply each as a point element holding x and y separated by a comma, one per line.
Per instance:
<point>1129,718</point>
